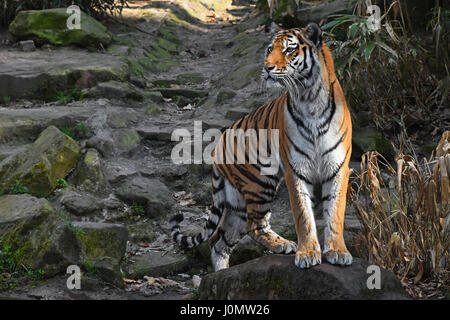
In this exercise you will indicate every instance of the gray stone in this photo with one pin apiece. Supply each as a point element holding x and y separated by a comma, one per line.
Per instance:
<point>122,119</point>
<point>224,95</point>
<point>188,93</point>
<point>155,264</point>
<point>79,204</point>
<point>156,132</point>
<point>277,277</point>
<point>152,193</point>
<point>104,145</point>
<point>39,73</point>
<point>27,45</point>
<point>115,90</point>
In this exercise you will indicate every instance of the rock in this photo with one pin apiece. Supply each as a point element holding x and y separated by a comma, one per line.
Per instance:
<point>27,45</point>
<point>191,78</point>
<point>154,96</point>
<point>117,172</point>
<point>196,280</point>
<point>104,145</point>
<point>39,237</point>
<point>369,139</point>
<point>236,113</point>
<point>277,277</point>
<point>115,90</point>
<point>125,140</point>
<point>103,246</point>
<point>89,176</point>
<point>79,204</point>
<point>142,232</point>
<point>154,264</point>
<point>39,73</point>
<point>50,26</point>
<point>51,157</point>
<point>247,249</point>
<point>188,93</point>
<point>157,132</point>
<point>225,94</point>
<point>122,119</point>
<point>152,193</point>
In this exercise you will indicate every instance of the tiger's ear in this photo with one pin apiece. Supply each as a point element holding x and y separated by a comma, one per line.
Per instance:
<point>274,28</point>
<point>313,33</point>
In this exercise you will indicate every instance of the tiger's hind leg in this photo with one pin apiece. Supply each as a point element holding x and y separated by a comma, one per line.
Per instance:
<point>228,206</point>
<point>258,227</point>
<point>229,233</point>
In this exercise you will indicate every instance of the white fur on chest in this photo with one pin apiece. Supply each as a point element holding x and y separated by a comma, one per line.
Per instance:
<point>319,162</point>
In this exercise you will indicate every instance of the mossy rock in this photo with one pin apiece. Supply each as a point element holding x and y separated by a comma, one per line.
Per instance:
<point>126,140</point>
<point>37,236</point>
<point>50,26</point>
<point>51,157</point>
<point>153,109</point>
<point>103,246</point>
<point>89,176</point>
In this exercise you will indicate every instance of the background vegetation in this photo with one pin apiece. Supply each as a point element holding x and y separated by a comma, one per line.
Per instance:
<point>9,8</point>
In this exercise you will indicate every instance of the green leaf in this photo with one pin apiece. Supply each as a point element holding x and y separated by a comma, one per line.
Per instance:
<point>368,50</point>
<point>353,30</point>
<point>330,24</point>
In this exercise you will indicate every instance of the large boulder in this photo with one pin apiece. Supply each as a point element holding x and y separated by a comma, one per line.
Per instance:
<point>36,234</point>
<point>277,277</point>
<point>50,26</point>
<point>41,238</point>
<point>51,157</point>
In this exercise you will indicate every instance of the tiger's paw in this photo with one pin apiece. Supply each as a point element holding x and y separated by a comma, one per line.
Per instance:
<point>343,258</point>
<point>286,248</point>
<point>307,259</point>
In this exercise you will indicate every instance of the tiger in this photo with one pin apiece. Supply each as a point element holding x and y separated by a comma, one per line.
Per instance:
<point>314,149</point>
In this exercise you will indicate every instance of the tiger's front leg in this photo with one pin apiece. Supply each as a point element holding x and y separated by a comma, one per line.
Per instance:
<point>300,192</point>
<point>334,195</point>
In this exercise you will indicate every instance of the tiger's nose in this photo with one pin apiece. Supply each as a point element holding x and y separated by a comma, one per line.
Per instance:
<point>268,67</point>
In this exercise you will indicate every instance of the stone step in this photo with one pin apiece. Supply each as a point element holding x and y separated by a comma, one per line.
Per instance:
<point>40,73</point>
<point>24,125</point>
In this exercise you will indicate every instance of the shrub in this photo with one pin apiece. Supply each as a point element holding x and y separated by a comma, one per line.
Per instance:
<point>391,73</point>
<point>405,213</point>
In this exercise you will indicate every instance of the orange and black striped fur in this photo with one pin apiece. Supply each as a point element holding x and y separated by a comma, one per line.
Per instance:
<point>315,133</point>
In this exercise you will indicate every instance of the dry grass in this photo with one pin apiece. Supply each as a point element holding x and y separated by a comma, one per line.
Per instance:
<point>405,217</point>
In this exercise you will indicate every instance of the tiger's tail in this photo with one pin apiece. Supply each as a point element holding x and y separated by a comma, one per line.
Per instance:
<point>190,241</point>
<point>214,217</point>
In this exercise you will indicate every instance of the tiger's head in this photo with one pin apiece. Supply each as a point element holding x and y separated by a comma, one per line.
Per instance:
<point>292,57</point>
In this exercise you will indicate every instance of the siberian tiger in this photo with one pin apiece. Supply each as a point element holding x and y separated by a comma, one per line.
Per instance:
<point>315,132</point>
